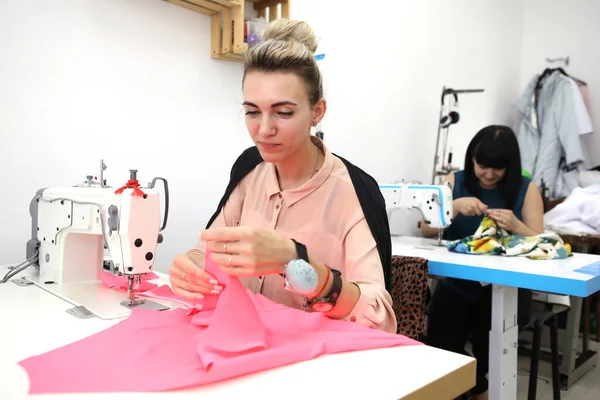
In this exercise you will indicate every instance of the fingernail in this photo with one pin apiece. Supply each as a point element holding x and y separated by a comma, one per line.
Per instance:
<point>219,288</point>
<point>215,291</point>
<point>200,297</point>
<point>213,282</point>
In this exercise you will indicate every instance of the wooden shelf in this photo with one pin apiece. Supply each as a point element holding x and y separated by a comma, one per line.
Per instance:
<point>192,6</point>
<point>261,6</point>
<point>228,3</point>
<point>227,22</point>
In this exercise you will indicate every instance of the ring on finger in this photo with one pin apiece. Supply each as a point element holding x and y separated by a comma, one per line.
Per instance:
<point>183,276</point>
<point>225,247</point>
<point>230,257</point>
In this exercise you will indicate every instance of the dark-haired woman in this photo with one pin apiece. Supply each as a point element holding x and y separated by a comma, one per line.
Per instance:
<point>492,184</point>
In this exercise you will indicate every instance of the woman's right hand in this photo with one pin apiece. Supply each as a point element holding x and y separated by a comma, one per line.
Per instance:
<point>189,279</point>
<point>469,206</point>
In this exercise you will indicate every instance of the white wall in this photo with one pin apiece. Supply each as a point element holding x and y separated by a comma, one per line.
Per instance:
<point>560,28</point>
<point>385,69</point>
<point>131,81</point>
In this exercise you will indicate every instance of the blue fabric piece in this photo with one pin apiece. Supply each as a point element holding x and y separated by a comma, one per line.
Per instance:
<point>461,248</point>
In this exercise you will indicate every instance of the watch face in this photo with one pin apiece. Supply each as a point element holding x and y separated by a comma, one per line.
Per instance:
<point>321,307</point>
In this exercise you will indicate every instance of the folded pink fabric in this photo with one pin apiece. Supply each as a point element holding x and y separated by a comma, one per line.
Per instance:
<point>193,306</point>
<point>120,282</point>
<point>168,350</point>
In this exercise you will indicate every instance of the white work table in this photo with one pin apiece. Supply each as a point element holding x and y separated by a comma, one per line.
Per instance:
<point>35,321</point>
<point>578,276</point>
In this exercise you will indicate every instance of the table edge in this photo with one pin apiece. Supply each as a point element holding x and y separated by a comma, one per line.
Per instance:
<point>452,385</point>
<point>538,282</point>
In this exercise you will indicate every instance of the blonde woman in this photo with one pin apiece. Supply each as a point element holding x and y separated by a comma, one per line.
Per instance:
<point>297,224</point>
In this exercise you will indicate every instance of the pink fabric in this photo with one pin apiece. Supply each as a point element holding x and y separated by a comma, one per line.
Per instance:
<point>193,306</point>
<point>120,282</point>
<point>167,350</point>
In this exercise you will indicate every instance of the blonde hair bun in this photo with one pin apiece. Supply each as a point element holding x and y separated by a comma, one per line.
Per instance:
<point>287,46</point>
<point>291,30</point>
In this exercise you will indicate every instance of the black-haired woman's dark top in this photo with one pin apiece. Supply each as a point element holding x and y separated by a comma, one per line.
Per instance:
<point>464,226</point>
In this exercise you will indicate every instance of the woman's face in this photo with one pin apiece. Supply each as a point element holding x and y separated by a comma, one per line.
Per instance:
<point>278,113</point>
<point>488,177</point>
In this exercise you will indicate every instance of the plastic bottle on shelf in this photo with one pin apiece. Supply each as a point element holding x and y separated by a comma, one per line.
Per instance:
<point>256,27</point>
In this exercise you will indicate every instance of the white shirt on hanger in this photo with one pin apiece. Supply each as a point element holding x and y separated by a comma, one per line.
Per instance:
<point>583,118</point>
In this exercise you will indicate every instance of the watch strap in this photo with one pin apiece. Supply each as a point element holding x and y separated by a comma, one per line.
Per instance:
<point>334,293</point>
<point>301,251</point>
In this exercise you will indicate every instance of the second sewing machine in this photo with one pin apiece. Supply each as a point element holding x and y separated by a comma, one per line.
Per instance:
<point>434,202</point>
<point>83,231</point>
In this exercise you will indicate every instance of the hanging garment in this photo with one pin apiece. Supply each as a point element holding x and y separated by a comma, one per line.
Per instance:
<point>584,122</point>
<point>585,94</point>
<point>493,240</point>
<point>569,177</point>
<point>556,135</point>
<point>167,350</point>
<point>584,91</point>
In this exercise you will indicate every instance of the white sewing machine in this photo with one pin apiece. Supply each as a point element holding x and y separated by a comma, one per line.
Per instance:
<point>434,202</point>
<point>80,231</point>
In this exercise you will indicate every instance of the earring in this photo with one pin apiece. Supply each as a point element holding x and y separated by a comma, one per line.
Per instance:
<point>318,133</point>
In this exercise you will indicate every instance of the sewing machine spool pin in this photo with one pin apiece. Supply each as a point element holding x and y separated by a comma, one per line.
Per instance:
<point>102,169</point>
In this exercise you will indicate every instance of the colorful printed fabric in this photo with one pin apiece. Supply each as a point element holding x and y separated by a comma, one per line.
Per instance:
<point>491,239</point>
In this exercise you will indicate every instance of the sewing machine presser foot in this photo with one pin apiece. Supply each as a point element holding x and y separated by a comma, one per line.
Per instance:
<point>142,303</point>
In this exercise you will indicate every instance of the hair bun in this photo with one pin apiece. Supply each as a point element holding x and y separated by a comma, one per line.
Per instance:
<point>300,31</point>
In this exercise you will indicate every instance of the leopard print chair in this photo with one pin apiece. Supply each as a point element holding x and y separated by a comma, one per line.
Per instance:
<point>409,294</point>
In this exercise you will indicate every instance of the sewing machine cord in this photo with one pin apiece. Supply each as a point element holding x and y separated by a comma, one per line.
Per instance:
<point>21,267</point>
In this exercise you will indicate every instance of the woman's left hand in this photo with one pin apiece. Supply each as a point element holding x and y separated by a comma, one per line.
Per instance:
<point>246,251</point>
<point>505,219</point>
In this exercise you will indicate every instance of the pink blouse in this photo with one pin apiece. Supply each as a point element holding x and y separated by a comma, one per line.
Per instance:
<point>325,215</point>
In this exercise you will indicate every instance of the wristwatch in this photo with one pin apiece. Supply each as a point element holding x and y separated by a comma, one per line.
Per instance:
<point>326,303</point>
<point>302,278</point>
